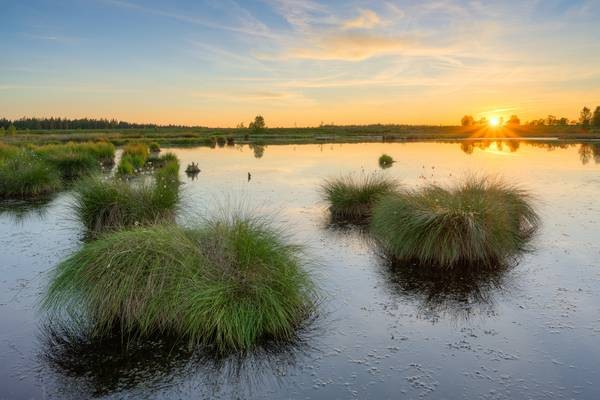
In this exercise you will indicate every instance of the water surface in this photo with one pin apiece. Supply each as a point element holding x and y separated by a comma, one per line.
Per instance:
<point>529,332</point>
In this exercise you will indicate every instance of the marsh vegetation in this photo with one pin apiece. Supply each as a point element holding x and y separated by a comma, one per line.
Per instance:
<point>34,171</point>
<point>480,222</point>
<point>227,284</point>
<point>352,197</point>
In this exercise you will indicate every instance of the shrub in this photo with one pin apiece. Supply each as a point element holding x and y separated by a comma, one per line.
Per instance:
<point>352,199</point>
<point>229,284</point>
<point>386,161</point>
<point>481,223</point>
<point>27,176</point>
<point>220,141</point>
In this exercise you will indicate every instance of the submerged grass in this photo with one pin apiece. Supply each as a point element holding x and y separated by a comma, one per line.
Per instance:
<point>228,284</point>
<point>481,223</point>
<point>352,198</point>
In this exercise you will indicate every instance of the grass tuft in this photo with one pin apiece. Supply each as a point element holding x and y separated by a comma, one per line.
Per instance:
<point>481,223</point>
<point>386,161</point>
<point>26,175</point>
<point>228,284</point>
<point>352,198</point>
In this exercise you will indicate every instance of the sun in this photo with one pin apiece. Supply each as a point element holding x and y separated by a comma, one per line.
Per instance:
<point>494,121</point>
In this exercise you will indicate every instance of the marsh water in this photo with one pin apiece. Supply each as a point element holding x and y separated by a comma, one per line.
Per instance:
<point>381,332</point>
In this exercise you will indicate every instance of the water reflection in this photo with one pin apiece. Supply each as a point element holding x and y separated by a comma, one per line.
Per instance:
<point>587,151</point>
<point>87,367</point>
<point>20,210</point>
<point>259,149</point>
<point>440,293</point>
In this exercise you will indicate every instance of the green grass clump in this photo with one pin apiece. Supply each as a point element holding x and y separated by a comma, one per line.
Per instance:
<point>352,198</point>
<point>73,164</point>
<point>26,175</point>
<point>7,151</point>
<point>133,159</point>
<point>386,161</point>
<point>160,161</point>
<point>229,284</point>
<point>105,205</point>
<point>154,147</point>
<point>480,223</point>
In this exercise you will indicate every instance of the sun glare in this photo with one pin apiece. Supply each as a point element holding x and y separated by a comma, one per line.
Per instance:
<point>494,121</point>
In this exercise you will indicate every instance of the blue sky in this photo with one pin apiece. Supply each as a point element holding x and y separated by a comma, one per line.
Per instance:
<point>219,63</point>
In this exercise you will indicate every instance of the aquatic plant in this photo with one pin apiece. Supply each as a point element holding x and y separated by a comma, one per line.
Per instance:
<point>73,164</point>
<point>7,151</point>
<point>154,147</point>
<point>110,204</point>
<point>26,175</point>
<point>228,284</point>
<point>192,168</point>
<point>481,222</point>
<point>352,198</point>
<point>386,161</point>
<point>133,159</point>
<point>125,167</point>
<point>101,152</point>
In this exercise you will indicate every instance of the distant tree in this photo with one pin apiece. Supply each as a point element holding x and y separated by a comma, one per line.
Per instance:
<point>482,121</point>
<point>240,125</point>
<point>514,120</point>
<point>585,116</point>
<point>551,120</point>
<point>467,120</point>
<point>563,121</point>
<point>596,117</point>
<point>258,124</point>
<point>2,131</point>
<point>12,130</point>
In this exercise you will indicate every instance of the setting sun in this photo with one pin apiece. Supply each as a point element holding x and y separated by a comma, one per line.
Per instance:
<point>494,121</point>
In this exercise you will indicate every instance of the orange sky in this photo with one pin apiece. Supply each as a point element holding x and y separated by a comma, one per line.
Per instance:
<point>300,63</point>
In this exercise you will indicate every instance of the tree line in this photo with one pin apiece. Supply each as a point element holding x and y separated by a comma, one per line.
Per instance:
<point>586,119</point>
<point>80,123</point>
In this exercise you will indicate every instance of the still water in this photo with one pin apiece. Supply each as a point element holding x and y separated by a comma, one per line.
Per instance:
<point>530,332</point>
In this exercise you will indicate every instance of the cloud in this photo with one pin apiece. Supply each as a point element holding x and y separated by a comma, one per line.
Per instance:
<point>367,19</point>
<point>351,46</point>
<point>245,24</point>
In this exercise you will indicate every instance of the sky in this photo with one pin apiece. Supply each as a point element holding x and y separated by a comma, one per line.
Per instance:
<point>298,62</point>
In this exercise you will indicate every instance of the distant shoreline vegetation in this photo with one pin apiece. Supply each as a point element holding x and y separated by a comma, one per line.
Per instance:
<point>586,119</point>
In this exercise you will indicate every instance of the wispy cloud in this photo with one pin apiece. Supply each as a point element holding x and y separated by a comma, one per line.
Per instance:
<point>365,20</point>
<point>247,26</point>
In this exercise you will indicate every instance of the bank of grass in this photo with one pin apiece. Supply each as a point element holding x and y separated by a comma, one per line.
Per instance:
<point>27,176</point>
<point>110,204</point>
<point>32,171</point>
<point>480,223</point>
<point>228,284</point>
<point>351,198</point>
